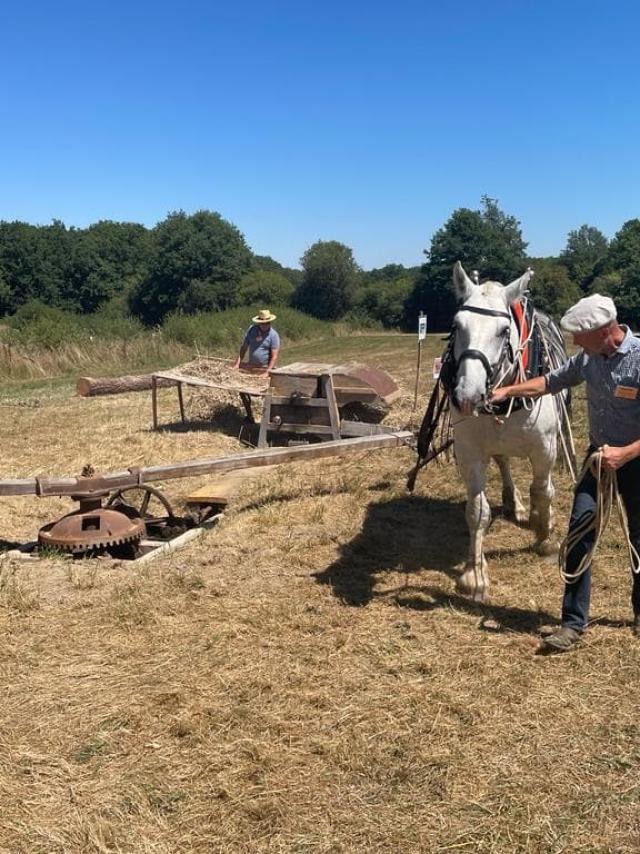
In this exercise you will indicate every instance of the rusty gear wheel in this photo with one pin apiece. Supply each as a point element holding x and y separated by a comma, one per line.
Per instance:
<point>135,500</point>
<point>92,529</point>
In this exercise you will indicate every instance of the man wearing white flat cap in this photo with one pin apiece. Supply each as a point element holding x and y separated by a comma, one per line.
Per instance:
<point>262,342</point>
<point>609,363</point>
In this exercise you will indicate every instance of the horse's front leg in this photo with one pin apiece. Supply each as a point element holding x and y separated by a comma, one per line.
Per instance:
<point>512,505</point>
<point>474,580</point>
<point>542,492</point>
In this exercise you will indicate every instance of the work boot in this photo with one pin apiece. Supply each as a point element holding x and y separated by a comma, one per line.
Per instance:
<point>560,641</point>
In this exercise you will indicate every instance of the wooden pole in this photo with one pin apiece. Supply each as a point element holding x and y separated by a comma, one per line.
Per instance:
<point>181,402</point>
<point>154,401</point>
<point>191,468</point>
<point>422,332</point>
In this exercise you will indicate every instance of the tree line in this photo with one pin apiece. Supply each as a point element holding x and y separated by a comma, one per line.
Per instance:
<point>193,263</point>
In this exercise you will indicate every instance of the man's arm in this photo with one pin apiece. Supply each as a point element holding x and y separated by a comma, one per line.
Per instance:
<point>243,350</point>
<point>531,388</point>
<point>273,359</point>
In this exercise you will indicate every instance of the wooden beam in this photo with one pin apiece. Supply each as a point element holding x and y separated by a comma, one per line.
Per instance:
<point>92,386</point>
<point>177,377</point>
<point>300,402</point>
<point>154,400</point>
<point>191,468</point>
<point>351,429</point>
<point>326,384</point>
<point>181,402</point>
<point>264,421</point>
<point>291,427</point>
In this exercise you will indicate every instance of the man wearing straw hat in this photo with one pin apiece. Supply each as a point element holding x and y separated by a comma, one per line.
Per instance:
<point>262,342</point>
<point>609,363</point>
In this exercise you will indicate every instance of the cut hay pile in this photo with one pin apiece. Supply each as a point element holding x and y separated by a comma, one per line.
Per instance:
<point>222,373</point>
<point>207,403</point>
<point>305,678</point>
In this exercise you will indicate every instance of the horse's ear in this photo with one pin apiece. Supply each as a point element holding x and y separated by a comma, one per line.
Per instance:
<point>462,284</point>
<point>514,290</point>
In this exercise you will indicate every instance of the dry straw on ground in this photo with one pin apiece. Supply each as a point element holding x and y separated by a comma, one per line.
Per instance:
<point>305,678</point>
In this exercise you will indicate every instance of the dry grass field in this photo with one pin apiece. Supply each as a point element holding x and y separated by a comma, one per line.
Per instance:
<point>305,677</point>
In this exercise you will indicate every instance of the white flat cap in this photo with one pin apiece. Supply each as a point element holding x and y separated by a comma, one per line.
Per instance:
<point>589,313</point>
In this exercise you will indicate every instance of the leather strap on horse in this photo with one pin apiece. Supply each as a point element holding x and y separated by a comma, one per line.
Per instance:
<point>430,422</point>
<point>523,326</point>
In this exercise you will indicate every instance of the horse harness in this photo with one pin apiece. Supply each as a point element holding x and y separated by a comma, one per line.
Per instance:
<point>533,355</point>
<point>522,313</point>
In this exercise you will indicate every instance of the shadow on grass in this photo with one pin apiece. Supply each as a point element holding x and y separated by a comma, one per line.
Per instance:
<point>7,545</point>
<point>224,419</point>
<point>408,535</point>
<point>295,494</point>
<point>403,534</point>
<point>493,618</point>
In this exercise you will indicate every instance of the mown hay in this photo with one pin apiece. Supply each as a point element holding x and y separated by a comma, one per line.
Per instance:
<point>305,678</point>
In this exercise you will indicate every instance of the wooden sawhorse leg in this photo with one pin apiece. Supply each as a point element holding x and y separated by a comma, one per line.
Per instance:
<point>246,402</point>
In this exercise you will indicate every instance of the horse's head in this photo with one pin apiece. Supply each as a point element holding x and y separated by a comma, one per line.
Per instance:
<point>484,334</point>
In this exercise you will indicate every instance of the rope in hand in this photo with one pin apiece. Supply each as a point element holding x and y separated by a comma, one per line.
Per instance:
<point>606,495</point>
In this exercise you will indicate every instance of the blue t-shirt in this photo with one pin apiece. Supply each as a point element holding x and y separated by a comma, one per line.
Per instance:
<point>261,345</point>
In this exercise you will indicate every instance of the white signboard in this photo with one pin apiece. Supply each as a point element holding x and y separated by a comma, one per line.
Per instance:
<point>422,327</point>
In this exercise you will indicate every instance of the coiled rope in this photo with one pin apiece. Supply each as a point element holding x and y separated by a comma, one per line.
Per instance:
<point>607,494</point>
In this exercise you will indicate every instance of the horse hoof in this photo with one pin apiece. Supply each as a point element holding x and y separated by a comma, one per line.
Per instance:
<point>472,590</point>
<point>516,514</point>
<point>546,548</point>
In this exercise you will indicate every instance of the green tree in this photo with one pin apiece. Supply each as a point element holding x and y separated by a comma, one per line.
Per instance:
<point>623,286</point>
<point>270,265</point>
<point>552,289</point>
<point>264,287</point>
<point>624,249</point>
<point>487,240</point>
<point>35,262</point>
<point>196,264</point>
<point>329,280</point>
<point>384,301</point>
<point>382,293</point>
<point>586,247</point>
<point>6,297</point>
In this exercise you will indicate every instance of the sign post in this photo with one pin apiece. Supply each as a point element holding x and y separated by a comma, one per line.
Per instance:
<point>422,334</point>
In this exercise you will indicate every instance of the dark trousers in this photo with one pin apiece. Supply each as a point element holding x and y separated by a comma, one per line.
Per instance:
<point>577,595</point>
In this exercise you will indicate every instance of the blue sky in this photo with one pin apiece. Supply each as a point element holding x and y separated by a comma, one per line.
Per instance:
<point>367,123</point>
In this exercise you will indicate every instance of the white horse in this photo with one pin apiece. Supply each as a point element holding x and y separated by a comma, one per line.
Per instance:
<point>485,341</point>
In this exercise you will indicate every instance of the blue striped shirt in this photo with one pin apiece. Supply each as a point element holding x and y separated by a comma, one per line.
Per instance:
<point>613,391</point>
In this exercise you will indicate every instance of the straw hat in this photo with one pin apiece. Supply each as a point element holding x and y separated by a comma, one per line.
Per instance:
<point>264,316</point>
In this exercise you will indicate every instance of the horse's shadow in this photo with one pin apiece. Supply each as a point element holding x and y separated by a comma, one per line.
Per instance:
<point>407,535</point>
<point>403,534</point>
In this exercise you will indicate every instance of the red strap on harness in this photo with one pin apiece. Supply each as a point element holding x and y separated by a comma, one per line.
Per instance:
<point>521,320</point>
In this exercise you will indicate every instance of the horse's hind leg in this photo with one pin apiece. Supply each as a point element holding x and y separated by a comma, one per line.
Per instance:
<point>542,492</point>
<point>512,505</point>
<point>474,581</point>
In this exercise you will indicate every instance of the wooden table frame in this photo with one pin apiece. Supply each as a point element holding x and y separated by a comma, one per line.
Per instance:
<point>181,380</point>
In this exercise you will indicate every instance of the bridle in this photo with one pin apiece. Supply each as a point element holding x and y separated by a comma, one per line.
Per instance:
<point>491,371</point>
